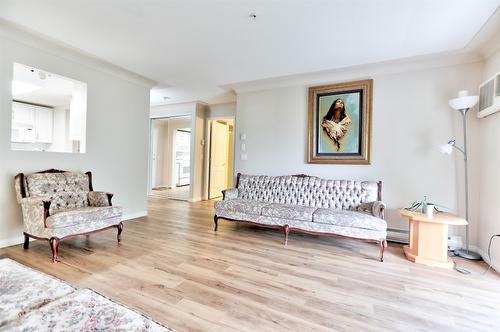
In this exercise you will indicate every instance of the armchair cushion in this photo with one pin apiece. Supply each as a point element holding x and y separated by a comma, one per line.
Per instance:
<point>41,184</point>
<point>67,190</point>
<point>99,198</point>
<point>78,216</point>
<point>64,200</point>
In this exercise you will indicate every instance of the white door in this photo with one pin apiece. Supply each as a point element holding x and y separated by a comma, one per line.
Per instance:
<point>219,140</point>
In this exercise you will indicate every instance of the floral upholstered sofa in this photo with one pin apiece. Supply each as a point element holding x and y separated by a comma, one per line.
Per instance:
<point>307,204</point>
<point>58,204</point>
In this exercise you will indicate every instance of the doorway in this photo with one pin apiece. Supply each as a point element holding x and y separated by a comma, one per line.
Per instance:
<point>170,157</point>
<point>220,157</point>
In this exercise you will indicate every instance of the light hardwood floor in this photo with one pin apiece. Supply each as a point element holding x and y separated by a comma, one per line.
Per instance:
<point>173,267</point>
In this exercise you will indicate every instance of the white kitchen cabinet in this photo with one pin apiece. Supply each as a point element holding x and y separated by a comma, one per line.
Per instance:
<point>31,124</point>
<point>23,114</point>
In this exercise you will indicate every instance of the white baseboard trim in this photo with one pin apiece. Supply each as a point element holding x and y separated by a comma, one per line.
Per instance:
<point>14,241</point>
<point>484,255</point>
<point>134,215</point>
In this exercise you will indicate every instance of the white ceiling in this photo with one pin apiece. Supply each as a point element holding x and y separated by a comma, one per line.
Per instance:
<point>193,47</point>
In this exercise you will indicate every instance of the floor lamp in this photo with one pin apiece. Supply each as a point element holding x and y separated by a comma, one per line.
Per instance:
<point>462,104</point>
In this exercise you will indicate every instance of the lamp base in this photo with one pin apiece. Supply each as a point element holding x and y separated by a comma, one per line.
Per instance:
<point>467,254</point>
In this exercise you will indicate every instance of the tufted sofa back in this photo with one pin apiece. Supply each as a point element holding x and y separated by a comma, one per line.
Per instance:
<point>66,190</point>
<point>307,191</point>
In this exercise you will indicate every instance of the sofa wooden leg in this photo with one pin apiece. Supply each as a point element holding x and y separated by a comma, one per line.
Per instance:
<point>54,246</point>
<point>120,230</point>
<point>383,245</point>
<point>26,241</point>
<point>216,219</point>
<point>286,229</point>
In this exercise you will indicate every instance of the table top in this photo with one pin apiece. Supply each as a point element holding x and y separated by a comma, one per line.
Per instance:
<point>437,218</point>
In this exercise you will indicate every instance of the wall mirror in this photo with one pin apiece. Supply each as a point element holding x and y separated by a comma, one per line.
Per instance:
<point>48,111</point>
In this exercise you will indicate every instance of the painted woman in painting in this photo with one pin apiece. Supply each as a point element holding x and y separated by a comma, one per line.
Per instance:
<point>336,122</point>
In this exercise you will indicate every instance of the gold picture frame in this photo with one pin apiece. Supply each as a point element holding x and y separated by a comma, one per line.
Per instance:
<point>340,123</point>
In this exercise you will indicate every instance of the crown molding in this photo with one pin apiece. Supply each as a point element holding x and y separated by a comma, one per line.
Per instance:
<point>410,64</point>
<point>175,109</point>
<point>26,37</point>
<point>487,40</point>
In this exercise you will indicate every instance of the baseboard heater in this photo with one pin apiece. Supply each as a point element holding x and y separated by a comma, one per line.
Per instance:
<point>398,235</point>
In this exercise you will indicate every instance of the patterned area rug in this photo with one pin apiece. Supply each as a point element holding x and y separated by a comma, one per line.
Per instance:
<point>33,301</point>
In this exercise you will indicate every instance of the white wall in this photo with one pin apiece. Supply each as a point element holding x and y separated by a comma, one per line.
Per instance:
<point>198,139</point>
<point>221,111</point>
<point>489,178</point>
<point>117,127</point>
<point>411,119</point>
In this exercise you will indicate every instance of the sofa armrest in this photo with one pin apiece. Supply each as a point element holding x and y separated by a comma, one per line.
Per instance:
<point>231,193</point>
<point>375,208</point>
<point>35,211</point>
<point>100,198</point>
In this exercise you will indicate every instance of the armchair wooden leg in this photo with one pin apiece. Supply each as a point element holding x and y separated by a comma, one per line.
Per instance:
<point>383,245</point>
<point>286,229</point>
<point>216,219</point>
<point>120,230</point>
<point>26,241</point>
<point>54,246</point>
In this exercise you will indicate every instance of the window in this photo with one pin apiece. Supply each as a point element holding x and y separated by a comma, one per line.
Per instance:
<point>48,111</point>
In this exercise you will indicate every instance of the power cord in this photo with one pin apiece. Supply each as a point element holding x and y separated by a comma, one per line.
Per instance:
<point>490,259</point>
<point>456,268</point>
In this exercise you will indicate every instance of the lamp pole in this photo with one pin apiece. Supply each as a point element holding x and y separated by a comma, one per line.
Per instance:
<point>461,252</point>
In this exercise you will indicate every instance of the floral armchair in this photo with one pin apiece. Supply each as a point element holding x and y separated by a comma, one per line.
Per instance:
<point>58,205</point>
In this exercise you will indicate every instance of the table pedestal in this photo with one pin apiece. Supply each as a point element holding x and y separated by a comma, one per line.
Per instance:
<point>429,238</point>
<point>428,244</point>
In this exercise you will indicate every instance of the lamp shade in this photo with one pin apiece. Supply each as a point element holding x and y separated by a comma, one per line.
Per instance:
<point>463,101</point>
<point>446,148</point>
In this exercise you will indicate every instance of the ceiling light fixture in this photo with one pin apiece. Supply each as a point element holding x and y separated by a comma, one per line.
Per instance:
<point>252,16</point>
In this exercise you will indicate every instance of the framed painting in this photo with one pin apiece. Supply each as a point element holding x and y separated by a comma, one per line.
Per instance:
<point>340,123</point>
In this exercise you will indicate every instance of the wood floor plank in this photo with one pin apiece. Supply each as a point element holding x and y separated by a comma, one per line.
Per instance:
<point>174,268</point>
